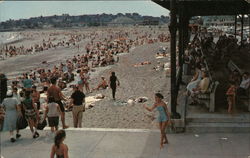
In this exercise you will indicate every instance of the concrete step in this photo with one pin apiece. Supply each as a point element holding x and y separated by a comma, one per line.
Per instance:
<point>218,127</point>
<point>218,118</point>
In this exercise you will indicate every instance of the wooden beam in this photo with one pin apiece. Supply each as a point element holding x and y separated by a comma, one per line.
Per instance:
<point>235,26</point>
<point>242,24</point>
<point>211,7</point>
<point>180,45</point>
<point>173,26</point>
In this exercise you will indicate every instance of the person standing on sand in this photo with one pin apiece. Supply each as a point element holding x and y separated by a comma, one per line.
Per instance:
<point>112,81</point>
<point>52,111</point>
<point>31,113</point>
<point>10,104</point>
<point>163,118</point>
<point>78,103</point>
<point>36,97</point>
<point>27,83</point>
<point>56,93</point>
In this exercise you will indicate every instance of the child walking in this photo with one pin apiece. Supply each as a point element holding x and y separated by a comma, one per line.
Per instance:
<point>231,96</point>
<point>52,111</point>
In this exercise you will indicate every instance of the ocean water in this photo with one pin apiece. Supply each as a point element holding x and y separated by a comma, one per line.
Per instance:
<point>8,37</point>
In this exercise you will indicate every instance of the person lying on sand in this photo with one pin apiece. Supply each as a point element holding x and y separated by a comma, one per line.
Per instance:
<point>103,84</point>
<point>142,63</point>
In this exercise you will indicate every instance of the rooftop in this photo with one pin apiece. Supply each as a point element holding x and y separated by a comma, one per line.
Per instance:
<point>210,7</point>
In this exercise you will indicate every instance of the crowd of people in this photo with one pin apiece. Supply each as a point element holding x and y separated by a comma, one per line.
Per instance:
<point>21,97</point>
<point>220,52</point>
<point>195,61</point>
<point>225,49</point>
<point>69,39</point>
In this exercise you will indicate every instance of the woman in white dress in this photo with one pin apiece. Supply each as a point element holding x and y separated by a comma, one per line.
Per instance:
<point>195,80</point>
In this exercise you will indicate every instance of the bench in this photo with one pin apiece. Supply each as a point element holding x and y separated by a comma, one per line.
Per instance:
<point>208,98</point>
<point>233,67</point>
<point>245,98</point>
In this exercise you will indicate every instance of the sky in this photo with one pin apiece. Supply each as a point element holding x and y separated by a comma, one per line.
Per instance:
<point>26,9</point>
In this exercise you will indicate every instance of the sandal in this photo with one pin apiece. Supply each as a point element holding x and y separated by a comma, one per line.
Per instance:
<point>18,136</point>
<point>36,135</point>
<point>12,140</point>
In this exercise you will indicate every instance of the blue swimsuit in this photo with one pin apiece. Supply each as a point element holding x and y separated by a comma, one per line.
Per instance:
<point>162,114</point>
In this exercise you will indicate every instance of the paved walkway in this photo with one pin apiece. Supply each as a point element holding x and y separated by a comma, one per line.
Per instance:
<point>106,143</point>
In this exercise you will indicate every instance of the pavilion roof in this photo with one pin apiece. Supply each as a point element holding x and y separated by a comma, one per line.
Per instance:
<point>210,7</point>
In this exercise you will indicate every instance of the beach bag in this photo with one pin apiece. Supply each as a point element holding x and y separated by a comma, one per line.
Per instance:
<point>21,122</point>
<point>42,125</point>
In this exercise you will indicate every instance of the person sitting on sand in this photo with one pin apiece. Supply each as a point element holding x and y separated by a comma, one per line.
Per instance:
<point>103,84</point>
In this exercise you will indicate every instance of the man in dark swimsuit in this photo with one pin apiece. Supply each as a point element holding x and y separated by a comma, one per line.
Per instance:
<point>112,81</point>
<point>56,93</point>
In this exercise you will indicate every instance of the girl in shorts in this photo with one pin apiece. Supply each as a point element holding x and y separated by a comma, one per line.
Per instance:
<point>52,111</point>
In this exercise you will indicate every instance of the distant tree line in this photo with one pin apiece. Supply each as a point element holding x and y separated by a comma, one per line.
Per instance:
<point>65,20</point>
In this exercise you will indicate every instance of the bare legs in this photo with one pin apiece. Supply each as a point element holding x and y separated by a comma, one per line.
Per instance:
<point>231,103</point>
<point>164,139</point>
<point>54,129</point>
<point>63,120</point>
<point>32,125</point>
<point>87,87</point>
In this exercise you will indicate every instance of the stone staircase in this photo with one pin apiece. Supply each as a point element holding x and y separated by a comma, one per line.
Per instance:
<point>218,123</point>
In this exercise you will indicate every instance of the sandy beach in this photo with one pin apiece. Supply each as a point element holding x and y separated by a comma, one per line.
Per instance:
<point>141,81</point>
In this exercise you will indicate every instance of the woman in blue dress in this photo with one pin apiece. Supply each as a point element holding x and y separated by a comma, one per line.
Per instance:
<point>163,116</point>
<point>11,112</point>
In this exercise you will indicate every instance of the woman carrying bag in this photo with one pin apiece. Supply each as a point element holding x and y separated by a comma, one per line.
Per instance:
<point>31,113</point>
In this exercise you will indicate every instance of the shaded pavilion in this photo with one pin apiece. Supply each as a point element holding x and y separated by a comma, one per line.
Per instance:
<point>182,11</point>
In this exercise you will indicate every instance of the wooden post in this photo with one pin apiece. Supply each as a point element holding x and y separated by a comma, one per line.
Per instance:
<point>181,47</point>
<point>185,31</point>
<point>235,26</point>
<point>249,27</point>
<point>173,23</point>
<point>242,24</point>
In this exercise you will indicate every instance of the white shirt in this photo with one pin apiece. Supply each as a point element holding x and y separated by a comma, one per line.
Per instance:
<point>53,110</point>
<point>78,78</point>
<point>17,96</point>
<point>245,83</point>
